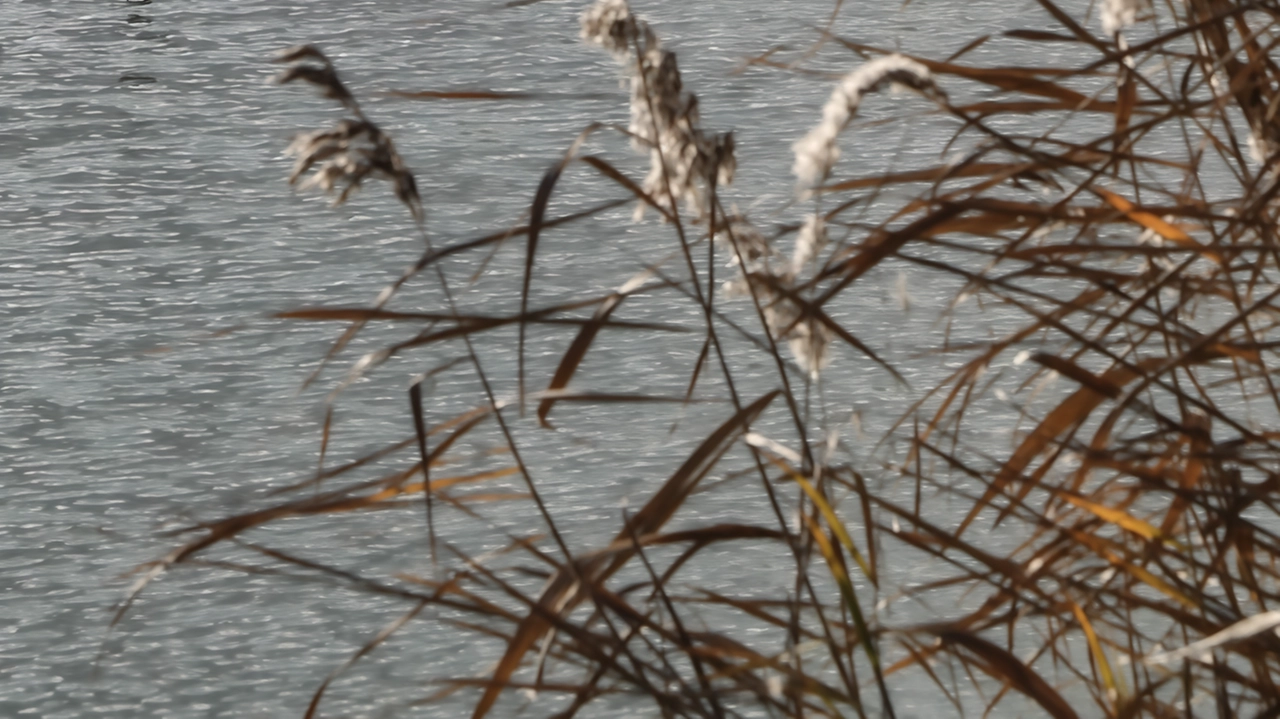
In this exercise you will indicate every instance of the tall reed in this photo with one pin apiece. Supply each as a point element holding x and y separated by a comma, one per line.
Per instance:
<point>1118,559</point>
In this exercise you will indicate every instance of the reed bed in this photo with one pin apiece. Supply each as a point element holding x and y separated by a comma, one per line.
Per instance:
<point>1118,559</point>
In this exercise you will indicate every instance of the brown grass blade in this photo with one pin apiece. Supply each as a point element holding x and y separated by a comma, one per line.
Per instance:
<point>537,215</point>
<point>369,646</point>
<point>420,432</point>
<point>1071,412</point>
<point>563,591</point>
<point>576,353</point>
<point>460,95</point>
<point>882,246</point>
<point>614,174</point>
<point>1167,230</point>
<point>1040,36</point>
<point>933,175</point>
<point>1002,665</point>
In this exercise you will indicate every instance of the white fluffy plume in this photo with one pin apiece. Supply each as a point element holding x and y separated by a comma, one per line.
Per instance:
<point>817,152</point>
<point>1120,14</point>
<point>664,116</point>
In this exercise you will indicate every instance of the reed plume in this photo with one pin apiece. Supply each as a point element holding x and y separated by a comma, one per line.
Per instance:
<point>809,243</point>
<point>817,152</point>
<point>664,115</point>
<point>808,339</point>
<point>1117,15</point>
<point>353,150</point>
<point>750,253</point>
<point>684,161</point>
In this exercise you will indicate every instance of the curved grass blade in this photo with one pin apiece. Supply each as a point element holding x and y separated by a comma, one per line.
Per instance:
<point>564,591</point>
<point>1002,665</point>
<point>537,213</point>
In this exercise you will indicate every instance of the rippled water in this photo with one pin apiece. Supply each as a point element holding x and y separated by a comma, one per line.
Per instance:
<point>149,235</point>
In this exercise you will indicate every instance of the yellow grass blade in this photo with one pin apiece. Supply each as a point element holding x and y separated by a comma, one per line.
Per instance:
<point>1104,667</point>
<point>846,589</point>
<point>1123,520</point>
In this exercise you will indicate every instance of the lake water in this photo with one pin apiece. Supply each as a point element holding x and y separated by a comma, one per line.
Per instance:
<point>149,235</point>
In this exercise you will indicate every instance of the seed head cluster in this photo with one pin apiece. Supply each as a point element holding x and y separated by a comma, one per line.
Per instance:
<point>817,152</point>
<point>353,150</point>
<point>1117,15</point>
<point>684,160</point>
<point>762,271</point>
<point>809,244</point>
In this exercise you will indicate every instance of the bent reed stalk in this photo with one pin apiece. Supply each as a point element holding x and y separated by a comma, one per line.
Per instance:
<point>1127,560</point>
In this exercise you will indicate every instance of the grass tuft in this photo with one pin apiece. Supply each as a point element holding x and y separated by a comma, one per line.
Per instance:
<point>1117,559</point>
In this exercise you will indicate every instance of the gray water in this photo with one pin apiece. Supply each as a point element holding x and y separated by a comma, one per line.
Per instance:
<point>148,237</point>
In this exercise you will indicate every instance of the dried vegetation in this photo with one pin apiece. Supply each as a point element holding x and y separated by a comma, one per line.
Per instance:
<point>1118,559</point>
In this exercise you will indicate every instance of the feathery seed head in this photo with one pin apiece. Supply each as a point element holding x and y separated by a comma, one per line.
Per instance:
<point>1261,147</point>
<point>664,116</point>
<point>319,72</point>
<point>816,153</point>
<point>808,339</point>
<point>809,243</point>
<point>353,149</point>
<point>1117,15</point>
<point>606,24</point>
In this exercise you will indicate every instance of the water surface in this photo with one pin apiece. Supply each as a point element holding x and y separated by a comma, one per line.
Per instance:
<point>149,236</point>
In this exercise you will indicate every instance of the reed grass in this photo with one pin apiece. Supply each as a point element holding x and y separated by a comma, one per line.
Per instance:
<point>1119,559</point>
